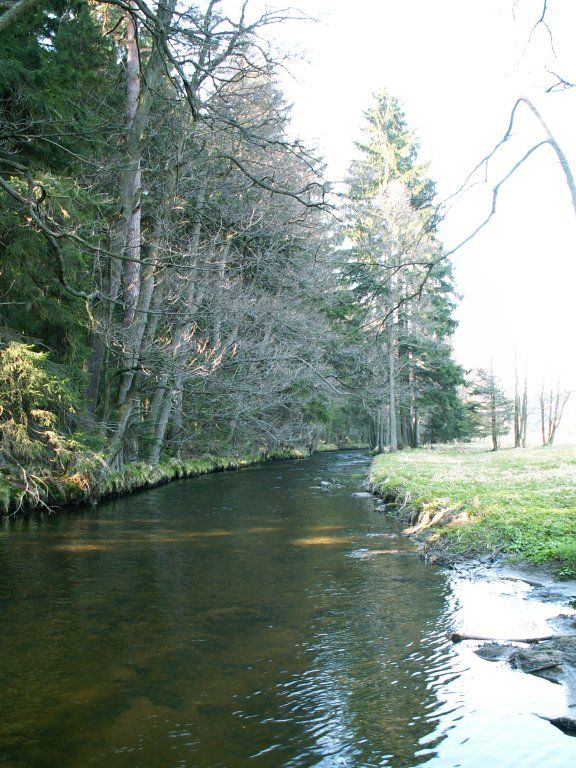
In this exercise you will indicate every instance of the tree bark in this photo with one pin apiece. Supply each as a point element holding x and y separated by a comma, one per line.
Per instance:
<point>161,427</point>
<point>493,414</point>
<point>542,417</point>
<point>524,414</point>
<point>517,411</point>
<point>392,387</point>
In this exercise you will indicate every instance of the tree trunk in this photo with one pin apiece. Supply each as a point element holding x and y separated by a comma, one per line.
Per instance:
<point>161,427</point>
<point>116,450</point>
<point>392,387</point>
<point>131,181</point>
<point>95,367</point>
<point>405,435</point>
<point>415,427</point>
<point>494,418</point>
<point>217,322</point>
<point>138,106</point>
<point>543,417</point>
<point>517,411</point>
<point>525,410</point>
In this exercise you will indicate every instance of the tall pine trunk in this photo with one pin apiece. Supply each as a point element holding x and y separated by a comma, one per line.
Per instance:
<point>392,387</point>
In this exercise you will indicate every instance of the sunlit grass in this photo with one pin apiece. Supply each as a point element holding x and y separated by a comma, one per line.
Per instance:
<point>518,502</point>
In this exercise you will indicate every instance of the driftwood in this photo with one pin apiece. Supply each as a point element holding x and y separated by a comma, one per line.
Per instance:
<point>457,637</point>
<point>523,580</point>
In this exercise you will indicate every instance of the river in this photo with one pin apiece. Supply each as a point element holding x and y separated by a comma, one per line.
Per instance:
<point>243,619</point>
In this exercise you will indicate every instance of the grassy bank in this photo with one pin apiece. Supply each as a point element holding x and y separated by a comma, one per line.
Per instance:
<point>469,502</point>
<point>30,491</point>
<point>330,447</point>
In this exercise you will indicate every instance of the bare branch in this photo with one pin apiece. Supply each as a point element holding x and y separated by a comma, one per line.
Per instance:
<point>561,84</point>
<point>549,140</point>
<point>541,22</point>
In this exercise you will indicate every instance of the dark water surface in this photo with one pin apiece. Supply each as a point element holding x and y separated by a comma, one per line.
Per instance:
<point>240,620</point>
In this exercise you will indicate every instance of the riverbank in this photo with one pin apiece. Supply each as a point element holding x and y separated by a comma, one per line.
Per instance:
<point>465,503</point>
<point>29,492</point>
<point>505,523</point>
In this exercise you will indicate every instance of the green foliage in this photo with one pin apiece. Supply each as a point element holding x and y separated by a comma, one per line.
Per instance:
<point>389,154</point>
<point>32,299</point>
<point>35,404</point>
<point>58,106</point>
<point>489,405</point>
<point>57,90</point>
<point>447,415</point>
<point>400,299</point>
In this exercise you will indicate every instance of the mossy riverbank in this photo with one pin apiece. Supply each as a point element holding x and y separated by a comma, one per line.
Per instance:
<point>100,482</point>
<point>29,491</point>
<point>466,502</point>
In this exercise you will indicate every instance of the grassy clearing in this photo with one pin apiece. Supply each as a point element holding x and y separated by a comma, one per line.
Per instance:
<point>516,502</point>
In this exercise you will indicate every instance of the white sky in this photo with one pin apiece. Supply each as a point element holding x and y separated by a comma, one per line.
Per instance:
<point>458,66</point>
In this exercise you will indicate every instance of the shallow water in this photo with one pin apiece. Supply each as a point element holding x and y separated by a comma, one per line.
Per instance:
<point>244,619</point>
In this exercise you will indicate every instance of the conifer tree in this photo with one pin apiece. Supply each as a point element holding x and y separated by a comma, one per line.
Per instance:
<point>397,273</point>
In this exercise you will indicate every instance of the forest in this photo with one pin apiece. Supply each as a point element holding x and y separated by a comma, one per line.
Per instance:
<point>178,280</point>
<point>187,287</point>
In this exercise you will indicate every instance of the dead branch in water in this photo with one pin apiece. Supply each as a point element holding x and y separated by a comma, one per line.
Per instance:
<point>458,637</point>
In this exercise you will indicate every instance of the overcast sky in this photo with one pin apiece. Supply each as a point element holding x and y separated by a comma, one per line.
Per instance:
<point>458,68</point>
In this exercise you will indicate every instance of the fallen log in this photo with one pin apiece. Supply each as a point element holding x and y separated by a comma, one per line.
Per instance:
<point>458,637</point>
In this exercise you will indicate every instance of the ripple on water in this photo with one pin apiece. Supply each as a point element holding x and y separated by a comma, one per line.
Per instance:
<point>246,617</point>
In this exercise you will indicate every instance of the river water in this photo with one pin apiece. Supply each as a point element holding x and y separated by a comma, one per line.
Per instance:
<point>254,618</point>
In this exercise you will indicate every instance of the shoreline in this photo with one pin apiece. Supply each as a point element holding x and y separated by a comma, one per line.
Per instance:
<point>549,652</point>
<point>86,489</point>
<point>462,503</point>
<point>537,634</point>
<point>90,490</point>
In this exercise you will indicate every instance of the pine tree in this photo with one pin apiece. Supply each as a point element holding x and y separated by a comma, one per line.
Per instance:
<point>399,280</point>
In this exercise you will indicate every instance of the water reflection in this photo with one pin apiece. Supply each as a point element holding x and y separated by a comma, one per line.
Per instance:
<point>229,620</point>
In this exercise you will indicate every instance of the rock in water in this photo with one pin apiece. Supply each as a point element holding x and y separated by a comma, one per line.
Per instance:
<point>540,661</point>
<point>495,651</point>
<point>566,724</point>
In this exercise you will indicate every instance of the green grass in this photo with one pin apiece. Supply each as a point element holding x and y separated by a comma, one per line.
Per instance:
<point>323,447</point>
<point>516,502</point>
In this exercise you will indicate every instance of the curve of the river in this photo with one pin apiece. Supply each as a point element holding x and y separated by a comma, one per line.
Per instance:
<point>244,619</point>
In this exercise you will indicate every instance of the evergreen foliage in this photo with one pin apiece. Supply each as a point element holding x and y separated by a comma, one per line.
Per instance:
<point>399,287</point>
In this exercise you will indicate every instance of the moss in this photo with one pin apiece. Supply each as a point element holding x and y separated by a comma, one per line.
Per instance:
<point>521,503</point>
<point>100,482</point>
<point>5,497</point>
